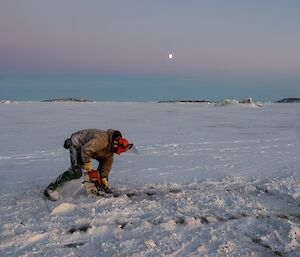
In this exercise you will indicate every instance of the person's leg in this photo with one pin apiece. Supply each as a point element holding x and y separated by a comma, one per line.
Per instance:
<point>74,172</point>
<point>65,177</point>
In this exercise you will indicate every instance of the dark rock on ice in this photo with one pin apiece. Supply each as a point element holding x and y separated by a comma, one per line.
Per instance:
<point>289,100</point>
<point>68,100</point>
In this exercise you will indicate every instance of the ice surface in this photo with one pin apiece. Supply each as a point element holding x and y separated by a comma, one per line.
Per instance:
<point>208,181</point>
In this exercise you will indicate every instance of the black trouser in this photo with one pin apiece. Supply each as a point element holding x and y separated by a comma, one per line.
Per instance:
<point>74,172</point>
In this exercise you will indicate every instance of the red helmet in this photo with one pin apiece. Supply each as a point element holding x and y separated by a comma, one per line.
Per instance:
<point>121,145</point>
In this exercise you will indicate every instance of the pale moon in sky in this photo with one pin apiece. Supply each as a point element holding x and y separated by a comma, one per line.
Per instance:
<point>170,56</point>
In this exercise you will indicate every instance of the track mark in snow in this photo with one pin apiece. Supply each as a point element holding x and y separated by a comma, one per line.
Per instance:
<point>74,244</point>
<point>83,228</point>
<point>121,224</point>
<point>230,217</point>
<point>261,243</point>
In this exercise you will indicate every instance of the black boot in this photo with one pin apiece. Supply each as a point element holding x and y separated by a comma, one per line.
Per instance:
<point>51,193</point>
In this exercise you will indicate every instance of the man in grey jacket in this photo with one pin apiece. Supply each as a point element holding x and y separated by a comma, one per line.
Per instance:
<point>85,145</point>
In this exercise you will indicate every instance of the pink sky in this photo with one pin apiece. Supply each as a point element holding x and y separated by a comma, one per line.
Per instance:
<point>137,36</point>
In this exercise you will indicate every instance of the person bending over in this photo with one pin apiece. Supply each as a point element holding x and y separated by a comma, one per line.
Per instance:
<point>85,145</point>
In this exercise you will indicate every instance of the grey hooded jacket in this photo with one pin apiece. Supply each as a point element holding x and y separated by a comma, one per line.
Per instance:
<point>96,144</point>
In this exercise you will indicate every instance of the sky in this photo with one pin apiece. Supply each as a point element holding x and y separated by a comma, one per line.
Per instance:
<point>235,38</point>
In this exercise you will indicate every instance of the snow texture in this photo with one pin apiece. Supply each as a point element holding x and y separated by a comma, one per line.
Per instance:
<point>208,181</point>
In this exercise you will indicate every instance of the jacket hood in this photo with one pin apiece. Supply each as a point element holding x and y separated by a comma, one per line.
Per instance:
<point>112,135</point>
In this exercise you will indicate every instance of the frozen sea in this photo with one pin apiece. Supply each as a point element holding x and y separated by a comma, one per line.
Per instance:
<point>144,88</point>
<point>208,181</point>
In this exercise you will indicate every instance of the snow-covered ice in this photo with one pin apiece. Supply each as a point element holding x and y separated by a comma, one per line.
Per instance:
<point>208,181</point>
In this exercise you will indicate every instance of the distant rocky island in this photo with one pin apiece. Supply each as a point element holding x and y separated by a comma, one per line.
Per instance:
<point>226,102</point>
<point>289,100</point>
<point>246,102</point>
<point>68,100</point>
<point>187,101</point>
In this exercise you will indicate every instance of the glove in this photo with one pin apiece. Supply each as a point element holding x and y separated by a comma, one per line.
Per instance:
<point>88,166</point>
<point>105,185</point>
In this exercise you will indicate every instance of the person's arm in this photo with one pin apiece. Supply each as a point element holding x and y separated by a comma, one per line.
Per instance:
<point>89,148</point>
<point>106,166</point>
<point>104,172</point>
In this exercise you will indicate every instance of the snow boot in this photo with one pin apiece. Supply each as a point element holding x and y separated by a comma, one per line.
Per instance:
<point>51,195</point>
